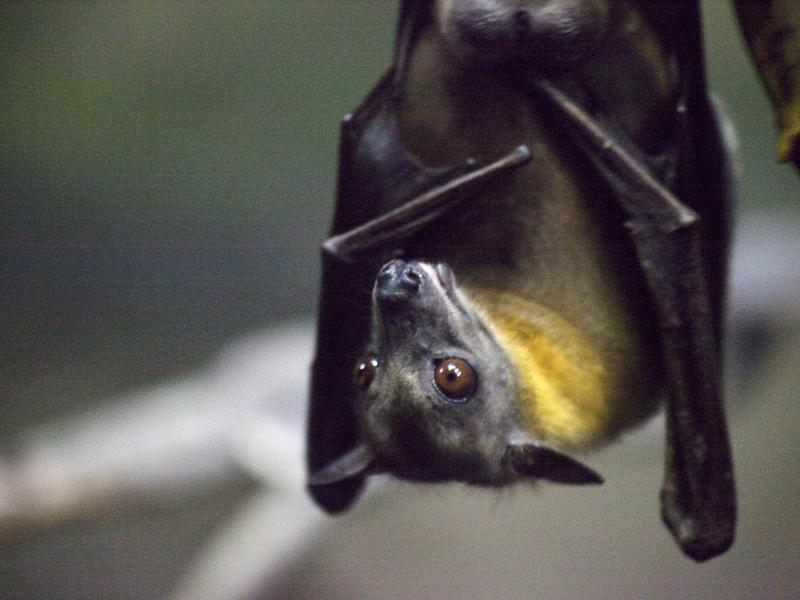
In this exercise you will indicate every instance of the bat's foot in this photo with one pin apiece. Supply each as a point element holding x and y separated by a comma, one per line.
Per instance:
<point>700,536</point>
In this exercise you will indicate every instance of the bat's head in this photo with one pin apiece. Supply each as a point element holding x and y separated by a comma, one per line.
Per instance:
<point>438,393</point>
<point>546,33</point>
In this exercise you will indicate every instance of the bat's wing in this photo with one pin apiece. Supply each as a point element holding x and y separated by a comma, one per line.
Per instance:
<point>698,497</point>
<point>678,222</point>
<point>383,195</point>
<point>376,174</point>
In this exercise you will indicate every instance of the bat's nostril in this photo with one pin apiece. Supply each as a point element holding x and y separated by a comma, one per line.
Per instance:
<point>400,284</point>
<point>411,278</point>
<point>392,266</point>
<point>389,271</point>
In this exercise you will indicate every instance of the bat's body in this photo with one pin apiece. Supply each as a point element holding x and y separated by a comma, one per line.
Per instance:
<point>521,158</point>
<point>543,254</point>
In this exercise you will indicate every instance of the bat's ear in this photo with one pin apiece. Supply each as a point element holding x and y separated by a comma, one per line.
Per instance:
<point>358,461</point>
<point>531,459</point>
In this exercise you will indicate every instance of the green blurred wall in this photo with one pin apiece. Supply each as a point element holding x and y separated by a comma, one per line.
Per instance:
<point>167,172</point>
<point>166,176</point>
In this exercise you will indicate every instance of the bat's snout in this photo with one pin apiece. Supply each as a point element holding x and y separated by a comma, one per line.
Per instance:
<point>400,282</point>
<point>397,275</point>
<point>415,299</point>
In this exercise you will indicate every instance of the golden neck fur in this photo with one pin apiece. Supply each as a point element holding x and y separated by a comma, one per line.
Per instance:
<point>568,393</point>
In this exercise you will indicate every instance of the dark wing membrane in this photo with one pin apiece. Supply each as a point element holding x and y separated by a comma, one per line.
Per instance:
<point>698,497</point>
<point>344,304</point>
<point>376,175</point>
<point>681,239</point>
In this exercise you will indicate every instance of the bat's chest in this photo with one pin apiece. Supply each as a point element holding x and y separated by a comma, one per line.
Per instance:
<point>549,228</point>
<point>548,232</point>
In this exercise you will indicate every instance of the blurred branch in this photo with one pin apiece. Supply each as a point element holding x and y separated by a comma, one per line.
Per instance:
<point>171,441</point>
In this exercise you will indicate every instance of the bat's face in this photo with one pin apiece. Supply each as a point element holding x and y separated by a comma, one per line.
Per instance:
<point>547,33</point>
<point>437,391</point>
<point>438,394</point>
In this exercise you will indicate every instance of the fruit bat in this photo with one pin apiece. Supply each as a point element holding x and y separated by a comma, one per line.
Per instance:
<point>528,256</point>
<point>772,32</point>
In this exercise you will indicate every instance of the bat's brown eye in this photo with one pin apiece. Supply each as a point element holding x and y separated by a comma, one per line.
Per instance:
<point>365,372</point>
<point>455,378</point>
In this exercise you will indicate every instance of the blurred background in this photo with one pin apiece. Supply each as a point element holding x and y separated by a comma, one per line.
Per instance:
<point>166,177</point>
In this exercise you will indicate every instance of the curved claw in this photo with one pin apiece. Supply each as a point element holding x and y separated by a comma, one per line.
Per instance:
<point>352,463</point>
<point>543,462</point>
